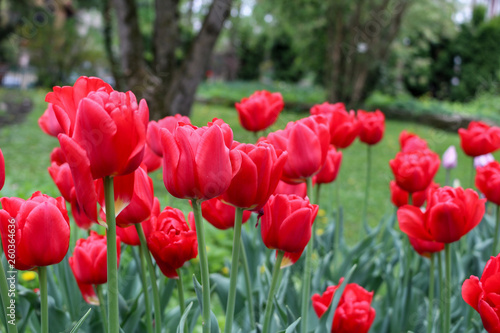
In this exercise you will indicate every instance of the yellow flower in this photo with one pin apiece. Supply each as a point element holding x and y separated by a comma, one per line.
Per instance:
<point>320,232</point>
<point>262,269</point>
<point>28,276</point>
<point>225,270</point>
<point>321,212</point>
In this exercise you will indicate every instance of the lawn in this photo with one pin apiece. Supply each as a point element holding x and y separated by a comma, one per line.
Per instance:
<point>26,150</point>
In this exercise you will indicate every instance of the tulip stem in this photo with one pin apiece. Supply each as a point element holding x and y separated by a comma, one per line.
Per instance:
<point>367,186</point>
<point>431,294</point>
<point>180,291</point>
<point>152,277</point>
<point>472,174</point>
<point>447,298</point>
<point>42,277</point>
<point>102,306</point>
<point>272,291</point>
<point>113,312</point>
<point>202,252</point>
<point>238,219</point>
<point>4,289</point>
<point>441,283</point>
<point>145,289</point>
<point>248,284</point>
<point>495,236</point>
<point>306,279</point>
<point>447,178</point>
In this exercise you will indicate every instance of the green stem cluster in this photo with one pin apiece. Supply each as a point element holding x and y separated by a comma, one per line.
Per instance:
<point>272,291</point>
<point>180,291</point>
<point>102,306</point>
<point>447,298</point>
<point>42,277</point>
<point>4,293</point>
<point>431,294</point>
<point>145,289</point>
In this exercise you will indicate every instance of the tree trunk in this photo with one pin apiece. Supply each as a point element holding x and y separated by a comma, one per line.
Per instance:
<point>108,33</point>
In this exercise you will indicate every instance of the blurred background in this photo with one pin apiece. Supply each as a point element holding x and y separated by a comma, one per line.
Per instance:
<point>406,57</point>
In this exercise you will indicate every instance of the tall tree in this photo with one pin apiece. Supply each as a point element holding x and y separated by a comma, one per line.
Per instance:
<point>169,84</point>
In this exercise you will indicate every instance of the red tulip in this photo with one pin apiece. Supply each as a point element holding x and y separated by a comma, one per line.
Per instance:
<point>65,101</point>
<point>2,170</point>
<point>354,313</point>
<point>134,196</point>
<point>479,139</point>
<point>344,127</point>
<point>330,169</point>
<point>37,229</point>
<point>299,189</point>
<point>170,123</point>
<point>414,171</point>
<point>48,122</point>
<point>372,126</point>
<point>306,142</point>
<point>484,296</point>
<point>81,219</point>
<point>88,293</point>
<point>129,236</point>
<point>196,162</point>
<point>399,197</point>
<point>151,161</point>
<point>260,110</point>
<point>57,156</point>
<point>411,142</point>
<point>219,214</point>
<point>488,181</point>
<point>425,248</point>
<point>88,262</point>
<point>255,175</point>
<point>172,242</point>
<point>287,221</point>
<point>61,175</point>
<point>227,132</point>
<point>450,214</point>
<point>327,109</point>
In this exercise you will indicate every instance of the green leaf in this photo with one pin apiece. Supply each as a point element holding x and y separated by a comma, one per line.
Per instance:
<point>80,322</point>
<point>291,328</point>
<point>182,323</point>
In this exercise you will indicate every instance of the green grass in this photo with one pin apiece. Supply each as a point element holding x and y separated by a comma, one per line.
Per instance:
<point>27,149</point>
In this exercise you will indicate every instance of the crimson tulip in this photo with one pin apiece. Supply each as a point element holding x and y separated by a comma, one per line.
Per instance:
<point>48,122</point>
<point>151,161</point>
<point>81,219</point>
<point>2,170</point>
<point>299,189</point>
<point>372,126</point>
<point>219,214</point>
<point>354,313</point>
<point>488,181</point>
<point>65,101</point>
<point>330,169</point>
<point>399,197</point>
<point>484,296</point>
<point>196,162</point>
<point>37,228</point>
<point>61,175</point>
<point>327,109</point>
<point>306,141</point>
<point>88,293</point>
<point>227,132</point>
<point>425,248</point>
<point>415,170</point>
<point>129,236</point>
<point>172,242</point>
<point>344,127</point>
<point>450,214</point>
<point>88,262</point>
<point>154,127</point>
<point>260,110</point>
<point>411,142</point>
<point>479,139</point>
<point>287,222</point>
<point>255,175</point>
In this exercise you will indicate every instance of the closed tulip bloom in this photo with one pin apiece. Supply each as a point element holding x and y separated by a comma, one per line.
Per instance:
<point>169,123</point>
<point>40,226</point>
<point>450,158</point>
<point>260,110</point>
<point>299,189</point>
<point>172,241</point>
<point>450,214</point>
<point>287,221</point>
<point>255,176</point>
<point>411,142</point>
<point>479,139</point>
<point>484,296</point>
<point>48,122</point>
<point>399,197</point>
<point>88,262</point>
<point>344,127</point>
<point>64,102</point>
<point>196,162</point>
<point>330,169</point>
<point>327,109</point>
<point>2,170</point>
<point>129,236</point>
<point>415,170</point>
<point>306,141</point>
<point>372,126</point>
<point>425,248</point>
<point>219,214</point>
<point>354,313</point>
<point>488,181</point>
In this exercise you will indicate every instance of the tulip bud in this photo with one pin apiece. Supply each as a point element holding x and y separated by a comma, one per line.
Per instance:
<point>450,158</point>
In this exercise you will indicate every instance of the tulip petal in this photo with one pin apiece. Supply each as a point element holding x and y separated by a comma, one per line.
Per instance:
<point>471,291</point>
<point>295,231</point>
<point>304,151</point>
<point>489,317</point>
<point>446,222</point>
<point>412,222</point>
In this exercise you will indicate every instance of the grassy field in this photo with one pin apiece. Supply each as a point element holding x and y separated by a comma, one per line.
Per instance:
<point>26,150</point>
